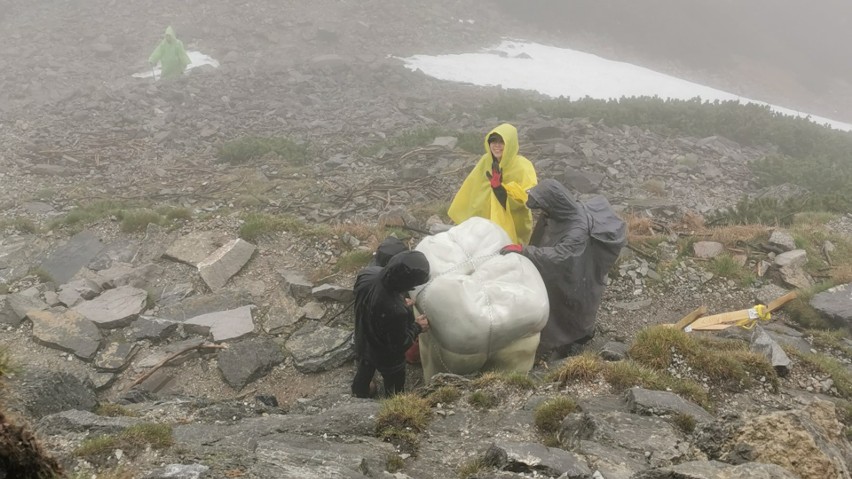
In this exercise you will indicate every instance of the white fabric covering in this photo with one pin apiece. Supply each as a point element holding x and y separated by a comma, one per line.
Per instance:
<point>485,310</point>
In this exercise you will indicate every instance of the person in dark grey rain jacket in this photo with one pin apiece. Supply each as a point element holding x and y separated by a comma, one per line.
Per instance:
<point>573,245</point>
<point>385,326</point>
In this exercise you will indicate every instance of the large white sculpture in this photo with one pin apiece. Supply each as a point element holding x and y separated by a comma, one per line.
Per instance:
<point>485,310</point>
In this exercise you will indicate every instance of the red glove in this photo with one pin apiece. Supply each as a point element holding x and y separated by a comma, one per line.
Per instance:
<point>495,177</point>
<point>512,248</point>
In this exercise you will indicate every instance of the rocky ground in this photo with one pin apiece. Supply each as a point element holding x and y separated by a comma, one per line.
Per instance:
<point>92,306</point>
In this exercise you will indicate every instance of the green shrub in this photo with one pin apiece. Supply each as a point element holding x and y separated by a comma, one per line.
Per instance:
<point>132,440</point>
<point>354,260</point>
<point>482,399</point>
<point>444,395</point>
<point>245,149</point>
<point>134,221</point>
<point>549,415</point>
<point>684,422</point>
<point>401,418</point>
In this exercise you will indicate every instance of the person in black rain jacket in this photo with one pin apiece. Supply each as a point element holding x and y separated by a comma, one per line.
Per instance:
<point>385,326</point>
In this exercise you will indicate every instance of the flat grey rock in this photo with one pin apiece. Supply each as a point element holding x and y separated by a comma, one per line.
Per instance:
<point>708,249</point>
<point>614,351</point>
<point>296,283</point>
<point>225,262</point>
<point>316,349</point>
<point>835,304</point>
<point>120,251</point>
<point>40,392</point>
<point>783,240</point>
<point>313,311</point>
<point>717,470</point>
<point>157,356</point>
<point>83,421</point>
<point>208,303</point>
<point>114,357</point>
<point>63,263</point>
<point>178,471</point>
<point>282,315</point>
<point>115,308</point>
<point>333,292</point>
<point>77,291</point>
<point>533,457</point>
<point>796,257</point>
<point>223,325</point>
<point>67,331</point>
<point>664,403</point>
<point>151,328</point>
<point>195,247</point>
<point>246,361</point>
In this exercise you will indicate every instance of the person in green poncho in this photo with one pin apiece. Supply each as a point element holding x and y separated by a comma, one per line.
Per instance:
<point>171,55</point>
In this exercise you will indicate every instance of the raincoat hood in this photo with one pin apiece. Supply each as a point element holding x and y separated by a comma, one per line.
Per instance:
<point>510,138</point>
<point>389,248</point>
<point>556,201</point>
<point>405,271</point>
<point>170,32</point>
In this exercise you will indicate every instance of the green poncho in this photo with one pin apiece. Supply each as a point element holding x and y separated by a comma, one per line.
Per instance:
<point>171,55</point>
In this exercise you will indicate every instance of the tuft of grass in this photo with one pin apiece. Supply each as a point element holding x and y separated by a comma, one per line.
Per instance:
<point>830,340</point>
<point>20,224</point>
<point>472,468</point>
<point>725,266</point>
<point>444,395</point>
<point>584,367</point>
<point>42,275</point>
<point>174,214</point>
<point>549,415</point>
<point>354,260</point>
<point>7,366</point>
<point>134,221</point>
<point>655,187</point>
<point>132,440</point>
<point>243,150</point>
<point>684,422</point>
<point>513,379</point>
<point>394,463</point>
<point>482,400</point>
<point>402,417</point>
<point>114,410</point>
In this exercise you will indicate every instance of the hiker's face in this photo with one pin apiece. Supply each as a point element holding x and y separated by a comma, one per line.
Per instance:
<point>170,39</point>
<point>496,148</point>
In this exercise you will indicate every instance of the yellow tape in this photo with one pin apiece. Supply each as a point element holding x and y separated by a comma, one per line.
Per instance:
<point>758,313</point>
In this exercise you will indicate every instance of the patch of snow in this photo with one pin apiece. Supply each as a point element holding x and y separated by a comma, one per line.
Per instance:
<point>562,72</point>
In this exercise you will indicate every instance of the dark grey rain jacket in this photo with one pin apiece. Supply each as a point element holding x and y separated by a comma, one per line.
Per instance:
<point>573,245</point>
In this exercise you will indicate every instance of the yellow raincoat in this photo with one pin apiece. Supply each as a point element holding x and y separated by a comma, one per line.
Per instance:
<point>476,198</point>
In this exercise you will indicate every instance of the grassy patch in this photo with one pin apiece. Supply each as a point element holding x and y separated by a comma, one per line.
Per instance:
<point>354,260</point>
<point>444,395</point>
<point>655,187</point>
<point>42,275</point>
<point>549,415</point>
<point>132,440</point>
<point>90,212</point>
<point>173,213</point>
<point>472,468</point>
<point>135,221</point>
<point>248,148</point>
<point>830,339</point>
<point>114,410</point>
<point>401,418</point>
<point>20,224</point>
<point>7,366</point>
<point>584,367</point>
<point>394,463</point>
<point>256,225</point>
<point>509,378</point>
<point>727,267</point>
<point>828,365</point>
<point>684,422</point>
<point>729,364</point>
<point>482,400</point>
<point>800,311</point>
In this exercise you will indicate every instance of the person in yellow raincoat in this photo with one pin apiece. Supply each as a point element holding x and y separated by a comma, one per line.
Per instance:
<point>171,55</point>
<point>497,187</point>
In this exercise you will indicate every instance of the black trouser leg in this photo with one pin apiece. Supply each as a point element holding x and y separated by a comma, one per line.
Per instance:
<point>363,376</point>
<point>394,382</point>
